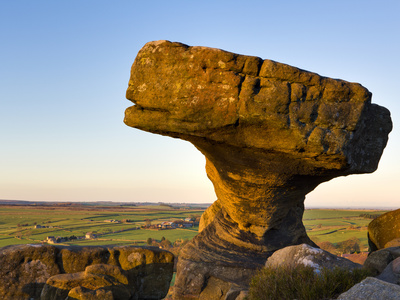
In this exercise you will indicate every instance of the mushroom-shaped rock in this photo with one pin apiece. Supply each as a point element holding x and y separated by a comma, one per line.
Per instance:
<point>270,133</point>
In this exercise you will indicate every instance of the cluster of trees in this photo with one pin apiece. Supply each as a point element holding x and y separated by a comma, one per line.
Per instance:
<point>349,246</point>
<point>369,216</point>
<point>164,243</point>
<point>127,221</point>
<point>61,239</point>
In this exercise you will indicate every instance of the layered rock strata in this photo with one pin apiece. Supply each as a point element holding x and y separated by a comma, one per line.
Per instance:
<point>270,133</point>
<point>71,272</point>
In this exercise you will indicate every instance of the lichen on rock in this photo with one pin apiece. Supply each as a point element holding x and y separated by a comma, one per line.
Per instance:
<point>384,231</point>
<point>50,272</point>
<point>372,289</point>
<point>270,133</point>
<point>306,255</point>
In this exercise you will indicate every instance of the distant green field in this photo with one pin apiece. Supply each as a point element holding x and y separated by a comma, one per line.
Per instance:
<point>310,214</point>
<point>17,224</point>
<point>337,225</point>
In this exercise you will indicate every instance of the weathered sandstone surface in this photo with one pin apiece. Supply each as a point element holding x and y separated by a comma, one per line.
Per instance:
<point>384,231</point>
<point>372,289</point>
<point>306,255</point>
<point>270,133</point>
<point>57,272</point>
<point>377,261</point>
<point>391,273</point>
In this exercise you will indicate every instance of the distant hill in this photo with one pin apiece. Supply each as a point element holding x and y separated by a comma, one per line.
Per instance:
<point>104,203</point>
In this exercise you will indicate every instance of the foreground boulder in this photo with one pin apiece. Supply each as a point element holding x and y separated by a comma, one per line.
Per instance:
<point>24,269</point>
<point>391,273</point>
<point>372,289</point>
<point>106,280</point>
<point>270,133</point>
<point>377,261</point>
<point>384,231</point>
<point>56,272</point>
<point>306,255</point>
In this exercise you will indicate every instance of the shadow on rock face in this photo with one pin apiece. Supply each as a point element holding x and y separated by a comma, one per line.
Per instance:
<point>270,133</point>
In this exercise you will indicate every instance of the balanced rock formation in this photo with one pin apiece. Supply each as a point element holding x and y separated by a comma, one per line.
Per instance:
<point>97,272</point>
<point>384,231</point>
<point>270,133</point>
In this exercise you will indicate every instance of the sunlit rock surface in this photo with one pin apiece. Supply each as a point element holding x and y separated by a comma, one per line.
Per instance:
<point>384,231</point>
<point>270,133</point>
<point>308,256</point>
<point>54,272</point>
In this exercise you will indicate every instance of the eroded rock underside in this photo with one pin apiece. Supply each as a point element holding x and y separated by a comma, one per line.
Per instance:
<point>270,133</point>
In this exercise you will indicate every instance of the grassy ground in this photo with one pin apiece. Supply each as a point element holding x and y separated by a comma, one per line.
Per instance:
<point>337,225</point>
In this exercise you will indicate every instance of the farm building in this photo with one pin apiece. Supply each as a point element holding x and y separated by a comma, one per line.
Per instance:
<point>186,225</point>
<point>90,235</point>
<point>112,221</point>
<point>51,240</point>
<point>168,225</point>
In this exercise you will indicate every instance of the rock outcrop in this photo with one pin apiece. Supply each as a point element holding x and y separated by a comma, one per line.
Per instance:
<point>377,261</point>
<point>384,231</point>
<point>391,273</point>
<point>101,280</point>
<point>97,272</point>
<point>270,133</point>
<point>372,289</point>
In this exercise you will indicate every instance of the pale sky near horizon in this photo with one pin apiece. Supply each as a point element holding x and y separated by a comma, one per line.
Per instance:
<point>64,70</point>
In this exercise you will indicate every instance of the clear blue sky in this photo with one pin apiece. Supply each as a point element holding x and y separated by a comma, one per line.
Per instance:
<point>64,70</point>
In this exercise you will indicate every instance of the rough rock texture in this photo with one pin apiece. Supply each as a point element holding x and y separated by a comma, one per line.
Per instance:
<point>24,269</point>
<point>377,261</point>
<point>372,289</point>
<point>82,293</point>
<point>237,294</point>
<point>308,256</point>
<point>270,133</point>
<point>384,230</point>
<point>97,280</point>
<point>391,273</point>
<point>393,243</point>
<point>55,272</point>
<point>208,216</point>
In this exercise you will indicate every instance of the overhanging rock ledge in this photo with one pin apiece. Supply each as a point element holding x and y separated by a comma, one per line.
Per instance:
<point>270,133</point>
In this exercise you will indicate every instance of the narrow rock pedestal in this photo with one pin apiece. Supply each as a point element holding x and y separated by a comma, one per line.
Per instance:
<point>270,133</point>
